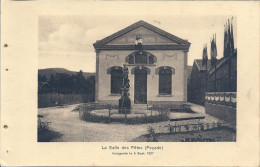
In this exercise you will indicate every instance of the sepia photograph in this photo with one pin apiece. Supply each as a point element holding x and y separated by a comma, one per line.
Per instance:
<point>129,83</point>
<point>137,78</point>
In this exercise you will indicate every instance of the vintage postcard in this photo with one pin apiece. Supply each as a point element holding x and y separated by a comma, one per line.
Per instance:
<point>130,83</point>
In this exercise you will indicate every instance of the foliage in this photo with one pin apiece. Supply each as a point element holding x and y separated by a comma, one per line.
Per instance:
<point>223,134</point>
<point>44,133</point>
<point>43,126</point>
<point>197,127</point>
<point>152,135</point>
<point>61,83</point>
<point>52,100</point>
<point>198,139</point>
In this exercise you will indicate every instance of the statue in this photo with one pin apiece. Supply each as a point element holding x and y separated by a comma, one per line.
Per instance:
<point>124,101</point>
<point>138,43</point>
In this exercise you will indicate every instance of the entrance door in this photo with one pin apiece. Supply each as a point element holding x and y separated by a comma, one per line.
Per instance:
<point>140,96</point>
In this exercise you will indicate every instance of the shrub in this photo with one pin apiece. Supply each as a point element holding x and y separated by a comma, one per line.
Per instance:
<point>219,125</point>
<point>152,135</point>
<point>43,126</point>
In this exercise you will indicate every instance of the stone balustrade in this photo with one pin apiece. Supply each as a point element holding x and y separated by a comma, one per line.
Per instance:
<point>222,98</point>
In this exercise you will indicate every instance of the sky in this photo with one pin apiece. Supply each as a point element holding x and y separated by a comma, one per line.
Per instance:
<point>67,41</point>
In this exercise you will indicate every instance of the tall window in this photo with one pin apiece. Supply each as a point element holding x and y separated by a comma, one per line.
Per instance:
<point>116,80</point>
<point>165,81</point>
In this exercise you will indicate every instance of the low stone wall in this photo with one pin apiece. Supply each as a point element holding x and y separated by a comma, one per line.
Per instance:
<point>171,105</point>
<point>95,112</point>
<point>226,113</point>
<point>150,103</point>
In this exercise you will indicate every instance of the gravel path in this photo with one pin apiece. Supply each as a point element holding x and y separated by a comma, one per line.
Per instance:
<point>67,122</point>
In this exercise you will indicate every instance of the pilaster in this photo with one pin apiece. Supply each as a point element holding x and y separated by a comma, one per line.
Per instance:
<point>185,76</point>
<point>97,77</point>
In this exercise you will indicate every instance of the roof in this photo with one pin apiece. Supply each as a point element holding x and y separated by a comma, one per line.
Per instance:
<point>189,69</point>
<point>181,43</point>
<point>221,61</point>
<point>201,67</point>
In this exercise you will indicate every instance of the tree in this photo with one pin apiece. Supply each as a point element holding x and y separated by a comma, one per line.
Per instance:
<point>205,62</point>
<point>214,60</point>
<point>43,86</point>
<point>80,82</point>
<point>68,84</point>
<point>52,84</point>
<point>63,83</point>
<point>91,88</point>
<point>42,78</point>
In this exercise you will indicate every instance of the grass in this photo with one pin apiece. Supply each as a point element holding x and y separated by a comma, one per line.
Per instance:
<point>223,134</point>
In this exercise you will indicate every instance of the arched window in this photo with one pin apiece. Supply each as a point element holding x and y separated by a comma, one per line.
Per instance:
<point>141,57</point>
<point>151,60</point>
<point>140,67</point>
<point>116,79</point>
<point>165,79</point>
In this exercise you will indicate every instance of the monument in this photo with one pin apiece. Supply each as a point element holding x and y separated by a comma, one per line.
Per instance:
<point>124,101</point>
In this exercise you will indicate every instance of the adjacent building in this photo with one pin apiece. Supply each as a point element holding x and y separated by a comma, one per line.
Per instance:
<point>221,99</point>
<point>197,82</point>
<point>226,75</point>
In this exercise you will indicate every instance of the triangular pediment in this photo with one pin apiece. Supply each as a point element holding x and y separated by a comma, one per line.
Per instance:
<point>151,36</point>
<point>148,38</point>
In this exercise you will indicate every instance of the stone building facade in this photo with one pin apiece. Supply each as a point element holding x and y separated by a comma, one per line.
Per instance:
<point>157,71</point>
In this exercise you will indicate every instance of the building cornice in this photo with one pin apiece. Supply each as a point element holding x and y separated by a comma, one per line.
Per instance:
<point>145,47</point>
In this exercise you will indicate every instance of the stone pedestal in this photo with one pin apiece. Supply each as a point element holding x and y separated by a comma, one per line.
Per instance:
<point>124,105</point>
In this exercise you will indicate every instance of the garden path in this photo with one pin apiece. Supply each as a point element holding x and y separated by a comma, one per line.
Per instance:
<point>67,122</point>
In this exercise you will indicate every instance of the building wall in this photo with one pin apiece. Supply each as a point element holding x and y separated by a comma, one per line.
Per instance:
<point>197,82</point>
<point>222,77</point>
<point>197,85</point>
<point>176,59</point>
<point>222,102</point>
